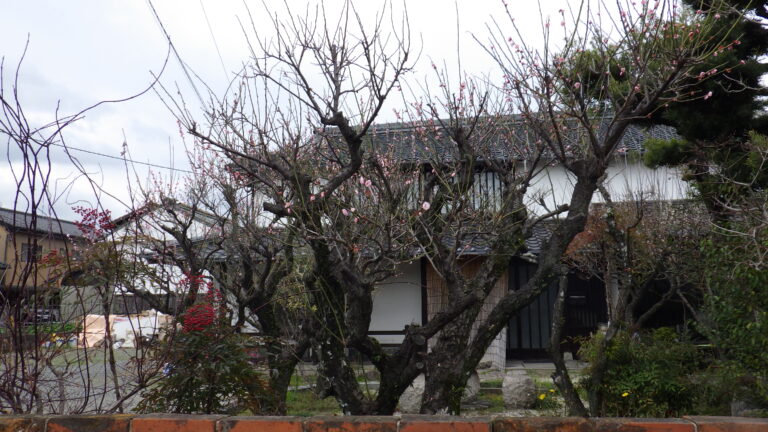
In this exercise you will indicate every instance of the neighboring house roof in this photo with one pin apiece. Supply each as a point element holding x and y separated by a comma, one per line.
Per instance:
<point>21,221</point>
<point>408,143</point>
<point>199,215</point>
<point>207,246</point>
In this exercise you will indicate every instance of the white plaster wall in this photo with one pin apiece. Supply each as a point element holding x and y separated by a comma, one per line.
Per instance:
<point>626,179</point>
<point>629,180</point>
<point>550,188</point>
<point>397,303</point>
<point>142,236</point>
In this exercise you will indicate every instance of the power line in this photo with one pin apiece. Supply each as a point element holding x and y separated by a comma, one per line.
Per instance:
<point>213,37</point>
<point>124,159</point>
<point>176,53</point>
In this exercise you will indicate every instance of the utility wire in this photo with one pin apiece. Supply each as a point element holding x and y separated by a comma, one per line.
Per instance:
<point>213,37</point>
<point>124,159</point>
<point>183,65</point>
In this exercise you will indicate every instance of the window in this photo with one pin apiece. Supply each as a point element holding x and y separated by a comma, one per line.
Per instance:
<point>31,252</point>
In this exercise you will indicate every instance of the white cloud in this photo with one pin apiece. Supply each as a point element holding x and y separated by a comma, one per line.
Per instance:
<point>83,52</point>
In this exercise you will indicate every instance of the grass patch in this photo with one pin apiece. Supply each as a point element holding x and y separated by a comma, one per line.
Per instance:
<point>495,399</point>
<point>298,380</point>
<point>306,403</point>
<point>496,383</point>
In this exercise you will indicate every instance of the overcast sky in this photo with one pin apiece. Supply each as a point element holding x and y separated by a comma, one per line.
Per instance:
<point>82,52</point>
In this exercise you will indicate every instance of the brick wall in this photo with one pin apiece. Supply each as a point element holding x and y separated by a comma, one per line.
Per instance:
<point>182,423</point>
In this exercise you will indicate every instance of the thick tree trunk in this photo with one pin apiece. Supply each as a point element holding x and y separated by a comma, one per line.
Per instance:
<point>282,363</point>
<point>398,372</point>
<point>560,376</point>
<point>447,370</point>
<point>331,335</point>
<point>340,377</point>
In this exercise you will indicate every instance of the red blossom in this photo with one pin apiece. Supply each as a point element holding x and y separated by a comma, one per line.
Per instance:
<point>199,317</point>
<point>203,314</point>
<point>94,223</point>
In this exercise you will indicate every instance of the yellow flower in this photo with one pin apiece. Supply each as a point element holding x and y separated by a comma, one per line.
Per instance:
<point>625,394</point>
<point>542,396</point>
<point>551,390</point>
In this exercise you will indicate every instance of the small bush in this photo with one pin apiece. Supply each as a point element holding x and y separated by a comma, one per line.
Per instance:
<point>714,393</point>
<point>736,310</point>
<point>648,375</point>
<point>209,370</point>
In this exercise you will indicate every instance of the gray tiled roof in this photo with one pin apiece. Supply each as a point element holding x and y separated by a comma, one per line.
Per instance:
<point>539,235</point>
<point>480,245</point>
<point>496,140</point>
<point>46,225</point>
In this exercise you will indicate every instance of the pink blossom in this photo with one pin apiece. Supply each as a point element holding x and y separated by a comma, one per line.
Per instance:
<point>368,183</point>
<point>708,95</point>
<point>345,212</point>
<point>311,198</point>
<point>577,85</point>
<point>425,205</point>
